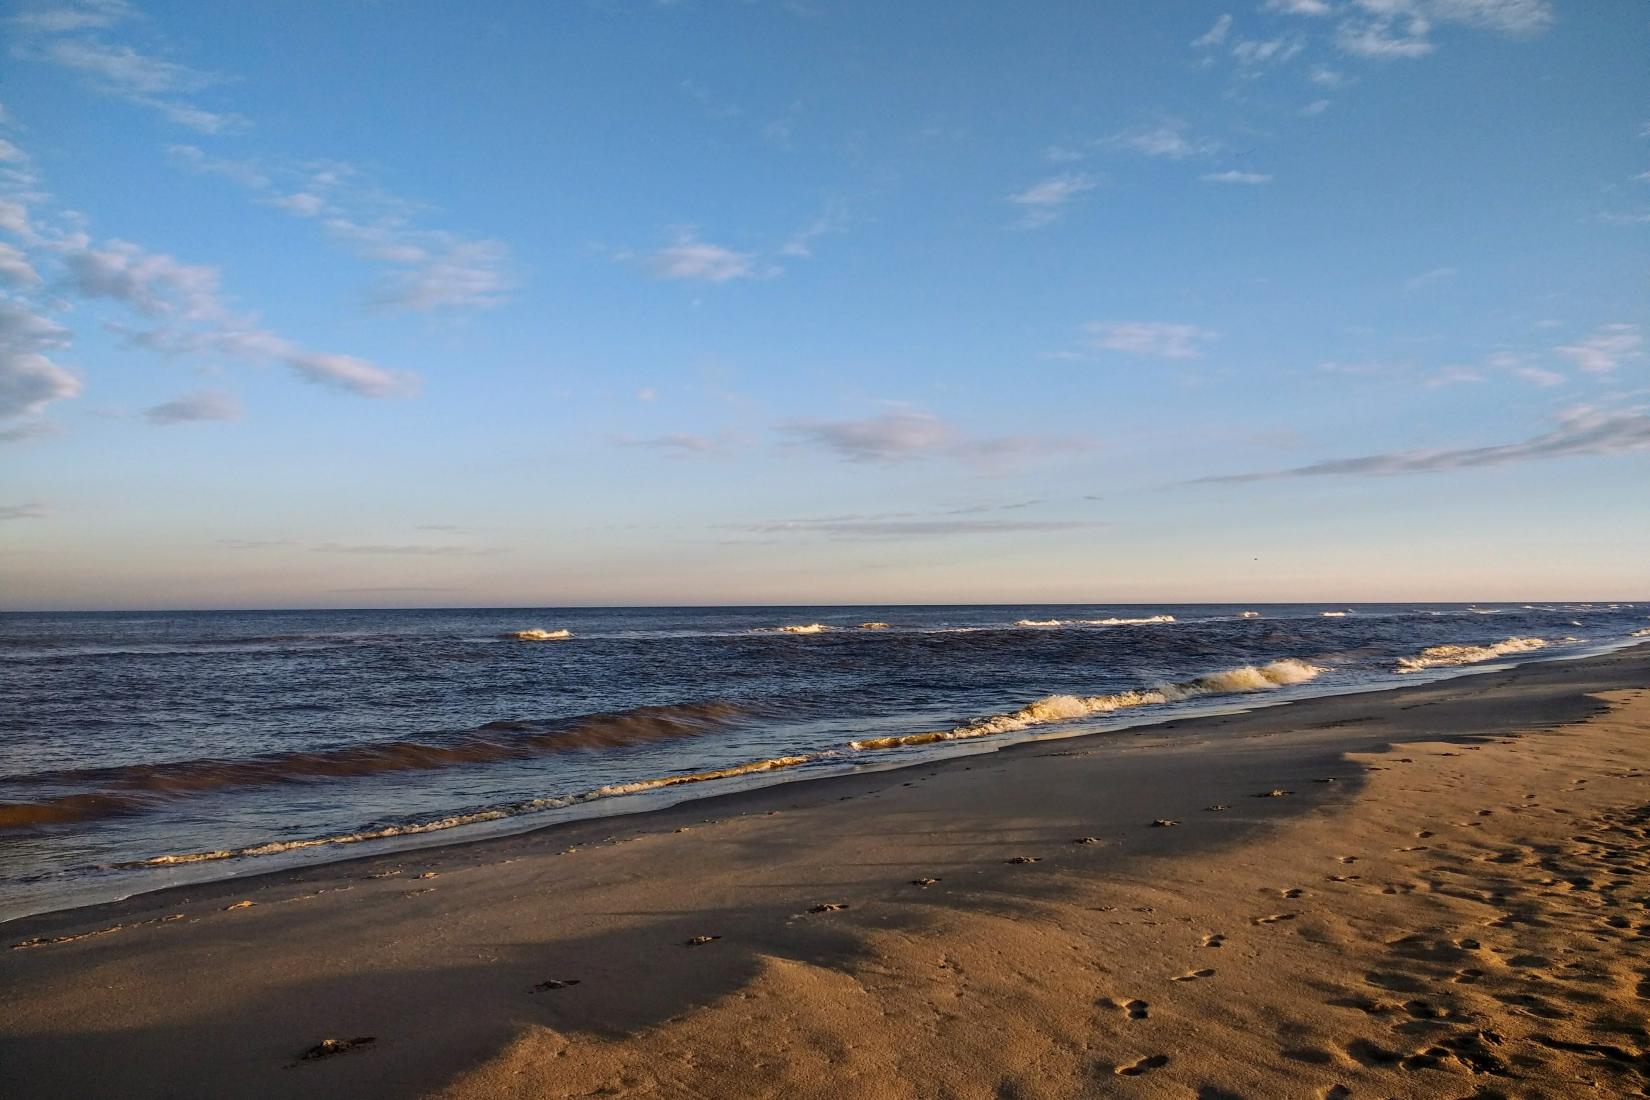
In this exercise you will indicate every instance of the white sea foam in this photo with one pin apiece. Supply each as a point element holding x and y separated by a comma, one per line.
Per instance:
<point>1095,622</point>
<point>1445,656</point>
<point>496,813</point>
<point>1642,633</point>
<point>536,635</point>
<point>1060,708</point>
<point>1334,614</point>
<point>1248,614</point>
<point>874,626</point>
<point>805,628</point>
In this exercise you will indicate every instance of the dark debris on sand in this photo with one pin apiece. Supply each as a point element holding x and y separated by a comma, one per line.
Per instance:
<point>326,1048</point>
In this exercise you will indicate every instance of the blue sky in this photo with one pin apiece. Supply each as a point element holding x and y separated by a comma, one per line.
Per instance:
<point>422,303</point>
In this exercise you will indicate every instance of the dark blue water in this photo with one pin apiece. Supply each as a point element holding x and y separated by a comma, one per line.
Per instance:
<point>139,749</point>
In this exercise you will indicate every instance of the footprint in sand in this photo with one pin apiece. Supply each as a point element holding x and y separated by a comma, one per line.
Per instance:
<point>1349,859</point>
<point>1275,918</point>
<point>1467,976</point>
<point>1292,892</point>
<point>1136,1009</point>
<point>1216,940</point>
<point>1145,1065</point>
<point>1025,859</point>
<point>828,907</point>
<point>1194,976</point>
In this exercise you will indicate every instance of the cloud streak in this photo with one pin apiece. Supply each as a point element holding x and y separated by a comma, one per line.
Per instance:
<point>1580,432</point>
<point>194,407</point>
<point>1606,349</point>
<point>423,270</point>
<point>1044,202</point>
<point>29,379</point>
<point>873,528</point>
<point>74,35</point>
<point>690,258</point>
<point>1158,339</point>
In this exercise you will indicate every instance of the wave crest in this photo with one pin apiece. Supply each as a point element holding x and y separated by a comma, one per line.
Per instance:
<point>1061,708</point>
<point>135,788</point>
<point>537,635</point>
<point>1096,622</point>
<point>1445,656</point>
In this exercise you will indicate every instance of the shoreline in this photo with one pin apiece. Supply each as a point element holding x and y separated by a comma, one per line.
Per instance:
<point>625,807</point>
<point>553,962</point>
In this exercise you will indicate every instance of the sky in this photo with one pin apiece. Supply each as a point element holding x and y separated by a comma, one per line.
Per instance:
<point>341,303</point>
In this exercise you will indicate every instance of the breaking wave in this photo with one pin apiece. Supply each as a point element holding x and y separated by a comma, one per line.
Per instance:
<point>1060,708</point>
<point>540,635</point>
<point>805,628</point>
<point>136,787</point>
<point>1096,622</point>
<point>1444,656</point>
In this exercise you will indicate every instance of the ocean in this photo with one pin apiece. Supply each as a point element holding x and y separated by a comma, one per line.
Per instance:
<point>142,750</point>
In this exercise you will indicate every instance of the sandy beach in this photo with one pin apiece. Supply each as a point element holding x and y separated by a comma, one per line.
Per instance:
<point>1436,891</point>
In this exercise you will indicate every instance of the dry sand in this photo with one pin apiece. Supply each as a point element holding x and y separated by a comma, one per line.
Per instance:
<point>1442,891</point>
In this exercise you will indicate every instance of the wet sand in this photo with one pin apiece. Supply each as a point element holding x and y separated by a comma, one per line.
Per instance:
<point>1439,891</point>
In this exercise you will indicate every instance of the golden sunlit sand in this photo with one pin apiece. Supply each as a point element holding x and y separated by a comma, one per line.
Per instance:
<point>1438,891</point>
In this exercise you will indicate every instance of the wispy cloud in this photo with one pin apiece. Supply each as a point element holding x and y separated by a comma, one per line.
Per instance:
<point>424,270</point>
<point>1169,139</point>
<point>1395,29</point>
<point>1428,278</point>
<point>833,219</point>
<point>193,407</point>
<point>1215,35</point>
<point>683,445</point>
<point>31,510</point>
<point>29,380</point>
<point>690,258</point>
<point>1235,176</point>
<point>402,550</point>
<point>1580,432</point>
<point>1160,339</point>
<point>1606,349</point>
<point>891,437</point>
<point>1299,7</point>
<point>15,269</point>
<point>1045,201</point>
<point>1255,54</point>
<point>908,434</point>
<point>76,36</point>
<point>849,527</point>
<point>192,319</point>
